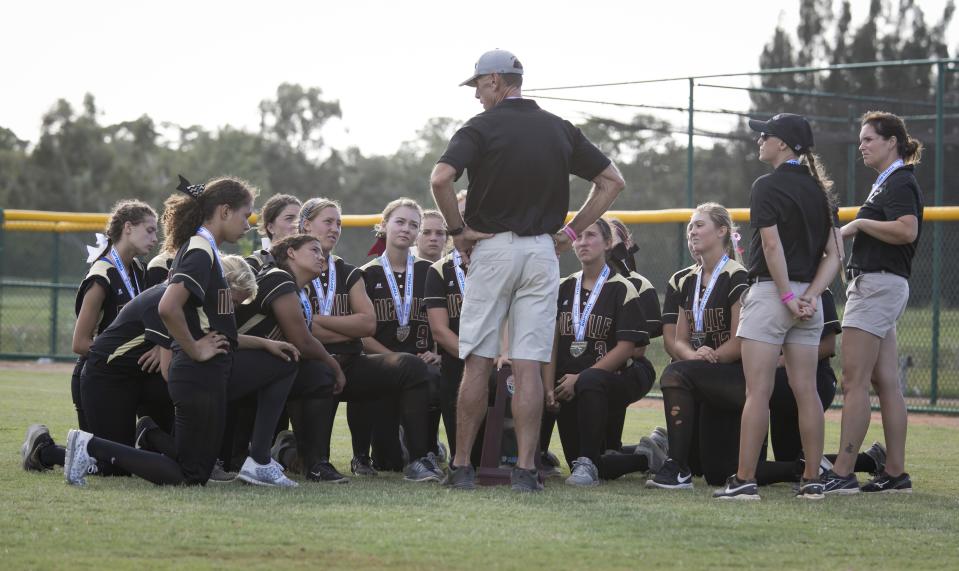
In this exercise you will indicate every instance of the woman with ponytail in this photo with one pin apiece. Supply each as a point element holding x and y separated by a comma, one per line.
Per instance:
<point>885,232</point>
<point>595,371</point>
<point>792,259</point>
<point>197,311</point>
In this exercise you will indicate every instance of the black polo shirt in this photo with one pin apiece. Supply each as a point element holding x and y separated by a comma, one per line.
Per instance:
<point>518,159</point>
<point>898,196</point>
<point>790,199</point>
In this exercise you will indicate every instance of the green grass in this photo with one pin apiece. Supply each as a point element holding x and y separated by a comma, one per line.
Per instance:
<point>126,523</point>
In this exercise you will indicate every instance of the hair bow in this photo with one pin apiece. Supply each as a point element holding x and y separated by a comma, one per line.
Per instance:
<point>194,190</point>
<point>95,251</point>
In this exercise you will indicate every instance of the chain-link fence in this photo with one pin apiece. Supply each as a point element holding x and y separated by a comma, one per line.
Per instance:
<point>37,299</point>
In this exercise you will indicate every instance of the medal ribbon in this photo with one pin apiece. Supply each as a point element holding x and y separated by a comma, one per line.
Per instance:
<point>402,312</point>
<point>579,321</point>
<point>307,307</point>
<point>458,270</point>
<point>209,238</point>
<point>122,269</point>
<point>884,175</point>
<point>699,306</point>
<point>326,300</point>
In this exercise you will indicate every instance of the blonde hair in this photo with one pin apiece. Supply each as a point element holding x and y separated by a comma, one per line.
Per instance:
<point>239,276</point>
<point>722,219</point>
<point>380,229</point>
<point>312,207</point>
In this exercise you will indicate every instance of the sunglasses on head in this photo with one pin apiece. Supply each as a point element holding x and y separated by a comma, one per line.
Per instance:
<point>765,136</point>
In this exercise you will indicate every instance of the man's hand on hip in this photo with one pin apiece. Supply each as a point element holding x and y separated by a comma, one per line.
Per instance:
<point>465,241</point>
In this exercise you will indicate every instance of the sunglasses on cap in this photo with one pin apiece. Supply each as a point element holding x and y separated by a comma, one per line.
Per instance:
<point>765,136</point>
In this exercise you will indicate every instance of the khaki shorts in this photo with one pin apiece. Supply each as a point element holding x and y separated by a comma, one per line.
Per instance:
<point>513,278</point>
<point>766,318</point>
<point>875,301</point>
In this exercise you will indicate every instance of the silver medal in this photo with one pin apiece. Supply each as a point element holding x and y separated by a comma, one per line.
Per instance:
<point>402,333</point>
<point>577,348</point>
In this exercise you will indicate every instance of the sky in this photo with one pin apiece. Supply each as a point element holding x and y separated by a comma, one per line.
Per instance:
<point>392,65</point>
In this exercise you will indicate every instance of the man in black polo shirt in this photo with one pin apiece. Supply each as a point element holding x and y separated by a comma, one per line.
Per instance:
<point>518,159</point>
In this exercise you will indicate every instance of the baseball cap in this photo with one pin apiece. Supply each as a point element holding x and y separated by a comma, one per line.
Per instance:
<point>793,129</point>
<point>494,61</point>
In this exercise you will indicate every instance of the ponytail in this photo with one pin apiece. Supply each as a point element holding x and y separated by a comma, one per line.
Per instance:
<point>818,172</point>
<point>185,212</point>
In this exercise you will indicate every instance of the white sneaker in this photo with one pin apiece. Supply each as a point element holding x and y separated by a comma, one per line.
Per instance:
<point>264,474</point>
<point>77,461</point>
<point>584,473</point>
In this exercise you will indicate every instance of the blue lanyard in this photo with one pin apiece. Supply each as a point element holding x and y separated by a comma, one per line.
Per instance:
<point>885,174</point>
<point>209,238</point>
<point>699,306</point>
<point>307,307</point>
<point>458,270</point>
<point>326,300</point>
<point>122,270</point>
<point>402,312</point>
<point>579,321</point>
<point>793,162</point>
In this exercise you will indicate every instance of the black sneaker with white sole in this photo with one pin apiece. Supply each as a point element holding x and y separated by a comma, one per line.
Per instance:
<point>37,438</point>
<point>671,477</point>
<point>737,489</point>
<point>834,484</point>
<point>886,484</point>
<point>326,473</point>
<point>810,490</point>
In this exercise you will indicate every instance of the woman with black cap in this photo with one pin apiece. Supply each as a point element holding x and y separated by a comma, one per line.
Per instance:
<point>792,214</point>
<point>886,232</point>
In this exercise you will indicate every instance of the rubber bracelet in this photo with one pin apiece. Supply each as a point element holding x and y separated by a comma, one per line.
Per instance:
<point>570,232</point>
<point>788,297</point>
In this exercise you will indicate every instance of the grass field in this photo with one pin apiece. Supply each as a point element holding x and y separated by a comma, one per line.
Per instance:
<point>126,523</point>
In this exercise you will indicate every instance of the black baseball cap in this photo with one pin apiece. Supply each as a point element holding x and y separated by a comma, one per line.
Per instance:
<point>794,130</point>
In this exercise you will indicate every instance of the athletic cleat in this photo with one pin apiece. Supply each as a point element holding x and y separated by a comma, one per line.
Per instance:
<point>833,483</point>
<point>810,490</point>
<point>144,425</point>
<point>284,441</point>
<point>219,475</point>
<point>269,475</point>
<point>584,474</point>
<point>423,470</point>
<point>671,477</point>
<point>326,473</point>
<point>362,466</point>
<point>886,484</point>
<point>736,489</point>
<point>77,461</point>
<point>654,453</point>
<point>522,480</point>
<point>660,438</point>
<point>878,454</point>
<point>462,478</point>
<point>37,438</point>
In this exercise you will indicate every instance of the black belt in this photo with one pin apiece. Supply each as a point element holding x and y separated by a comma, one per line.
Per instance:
<point>757,279</point>
<point>853,273</point>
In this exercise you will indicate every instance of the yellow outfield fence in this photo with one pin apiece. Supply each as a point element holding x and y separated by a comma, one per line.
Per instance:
<point>43,221</point>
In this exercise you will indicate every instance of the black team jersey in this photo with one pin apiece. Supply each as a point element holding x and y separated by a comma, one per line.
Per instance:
<point>136,329</point>
<point>346,277</point>
<point>443,291</point>
<point>419,339</point>
<point>259,260</point>
<point>102,272</point>
<point>616,316</point>
<point>209,307</point>
<point>649,303</point>
<point>158,270</point>
<point>257,318</point>
<point>671,299</point>
<point>717,318</point>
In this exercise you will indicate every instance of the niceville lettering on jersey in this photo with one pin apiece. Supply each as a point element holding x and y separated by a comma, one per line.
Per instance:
<point>597,326</point>
<point>386,309</point>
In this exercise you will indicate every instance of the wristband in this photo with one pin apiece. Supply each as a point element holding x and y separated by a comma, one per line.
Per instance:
<point>788,297</point>
<point>570,232</point>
